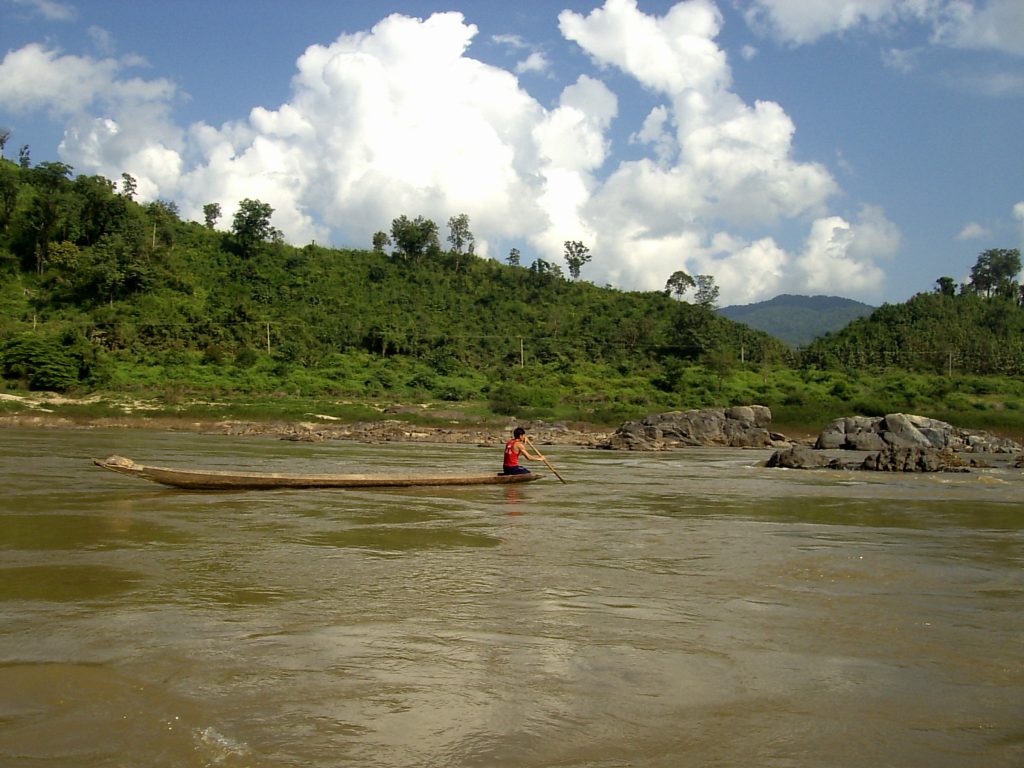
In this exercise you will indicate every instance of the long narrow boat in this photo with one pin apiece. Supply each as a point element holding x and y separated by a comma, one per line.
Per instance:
<point>211,480</point>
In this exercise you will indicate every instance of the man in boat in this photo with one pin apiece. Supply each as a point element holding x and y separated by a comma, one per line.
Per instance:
<point>515,448</point>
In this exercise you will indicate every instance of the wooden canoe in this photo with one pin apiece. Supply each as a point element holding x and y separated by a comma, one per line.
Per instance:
<point>211,480</point>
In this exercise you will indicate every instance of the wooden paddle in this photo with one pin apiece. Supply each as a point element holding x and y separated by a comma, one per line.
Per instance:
<point>529,443</point>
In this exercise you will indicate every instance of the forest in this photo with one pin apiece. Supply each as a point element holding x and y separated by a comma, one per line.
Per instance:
<point>103,294</point>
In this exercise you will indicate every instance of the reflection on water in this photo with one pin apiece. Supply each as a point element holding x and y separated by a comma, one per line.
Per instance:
<point>683,609</point>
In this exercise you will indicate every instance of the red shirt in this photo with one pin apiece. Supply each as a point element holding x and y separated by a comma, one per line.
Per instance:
<point>511,454</point>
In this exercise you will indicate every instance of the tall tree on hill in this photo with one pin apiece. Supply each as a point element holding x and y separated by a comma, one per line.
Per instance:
<point>251,225</point>
<point>460,237</point>
<point>995,273</point>
<point>414,239</point>
<point>707,291</point>
<point>10,182</point>
<point>51,181</point>
<point>380,241</point>
<point>576,255</point>
<point>679,282</point>
<point>945,286</point>
<point>211,212</point>
<point>99,208</point>
<point>129,186</point>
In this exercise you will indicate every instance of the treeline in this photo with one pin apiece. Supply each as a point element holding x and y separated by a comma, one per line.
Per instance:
<point>974,328</point>
<point>99,291</point>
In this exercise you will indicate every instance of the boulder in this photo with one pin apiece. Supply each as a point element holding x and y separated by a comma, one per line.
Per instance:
<point>736,427</point>
<point>636,436</point>
<point>800,457</point>
<point>914,459</point>
<point>840,432</point>
<point>898,429</point>
<point>865,441</point>
<point>901,430</point>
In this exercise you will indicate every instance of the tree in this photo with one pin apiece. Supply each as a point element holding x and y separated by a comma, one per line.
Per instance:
<point>679,282</point>
<point>380,241</point>
<point>995,272</point>
<point>211,213</point>
<point>128,186</point>
<point>459,235</point>
<point>513,257</point>
<point>108,267</point>
<point>251,225</point>
<point>50,181</point>
<point>163,216</point>
<point>707,291</point>
<point>413,239</point>
<point>545,270</point>
<point>9,185</point>
<point>576,255</point>
<point>5,134</point>
<point>99,208</point>
<point>945,286</point>
<point>24,156</point>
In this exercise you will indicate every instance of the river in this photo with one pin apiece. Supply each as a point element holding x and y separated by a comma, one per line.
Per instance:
<point>659,610</point>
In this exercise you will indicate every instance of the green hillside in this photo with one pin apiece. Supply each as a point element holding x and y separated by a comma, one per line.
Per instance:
<point>798,320</point>
<point>931,333</point>
<point>99,294</point>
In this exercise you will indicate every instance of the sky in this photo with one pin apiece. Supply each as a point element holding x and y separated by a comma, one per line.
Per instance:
<point>856,148</point>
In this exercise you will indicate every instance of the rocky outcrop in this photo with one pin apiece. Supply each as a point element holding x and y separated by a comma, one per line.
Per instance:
<point>889,459</point>
<point>914,459</point>
<point>898,442</point>
<point>737,427</point>
<point>802,457</point>
<point>901,430</point>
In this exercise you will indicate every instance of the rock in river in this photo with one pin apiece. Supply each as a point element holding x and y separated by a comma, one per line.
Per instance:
<point>744,426</point>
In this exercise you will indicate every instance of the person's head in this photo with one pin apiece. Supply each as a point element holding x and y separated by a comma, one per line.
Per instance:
<point>518,433</point>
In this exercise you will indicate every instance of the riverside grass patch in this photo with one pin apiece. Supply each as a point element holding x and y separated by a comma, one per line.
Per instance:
<point>358,386</point>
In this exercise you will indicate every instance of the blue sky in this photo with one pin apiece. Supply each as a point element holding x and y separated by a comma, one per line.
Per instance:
<point>859,148</point>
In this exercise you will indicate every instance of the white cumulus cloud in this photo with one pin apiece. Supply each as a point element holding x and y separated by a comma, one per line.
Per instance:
<point>717,162</point>
<point>804,21</point>
<point>973,231</point>
<point>840,257</point>
<point>996,25</point>
<point>48,9</point>
<point>535,62</point>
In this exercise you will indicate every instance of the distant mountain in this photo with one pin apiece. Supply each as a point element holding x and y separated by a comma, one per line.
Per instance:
<point>798,320</point>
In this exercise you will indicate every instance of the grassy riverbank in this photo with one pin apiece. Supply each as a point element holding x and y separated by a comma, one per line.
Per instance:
<point>172,410</point>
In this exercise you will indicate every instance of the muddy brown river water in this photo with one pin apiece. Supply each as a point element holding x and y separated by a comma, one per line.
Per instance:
<point>676,609</point>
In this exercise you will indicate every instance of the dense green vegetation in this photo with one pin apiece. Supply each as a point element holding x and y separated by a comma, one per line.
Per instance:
<point>101,294</point>
<point>931,333</point>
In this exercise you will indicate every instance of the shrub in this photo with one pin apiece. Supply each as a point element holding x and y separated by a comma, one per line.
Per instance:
<point>870,408</point>
<point>842,390</point>
<point>39,362</point>
<point>509,398</point>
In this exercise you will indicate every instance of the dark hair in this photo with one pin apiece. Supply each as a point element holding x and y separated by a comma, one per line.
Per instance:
<point>519,432</point>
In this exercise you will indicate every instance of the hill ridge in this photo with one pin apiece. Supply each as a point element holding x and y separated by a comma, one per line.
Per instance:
<point>798,319</point>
